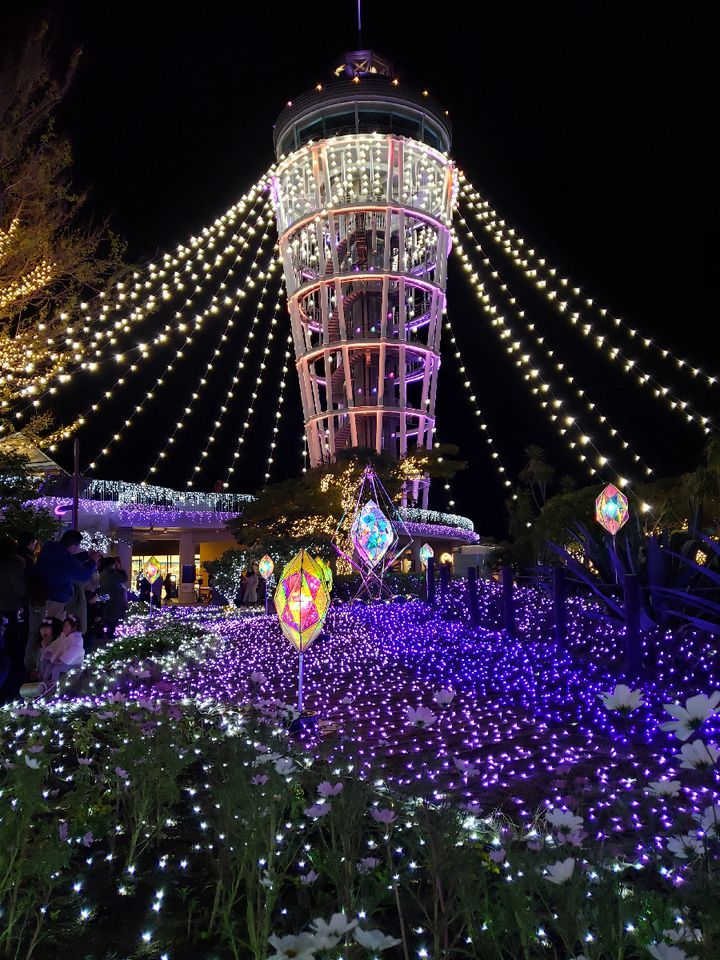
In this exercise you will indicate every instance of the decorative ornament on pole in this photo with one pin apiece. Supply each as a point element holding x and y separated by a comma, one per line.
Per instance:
<point>611,509</point>
<point>151,570</point>
<point>367,537</point>
<point>302,601</point>
<point>426,551</point>
<point>372,533</point>
<point>265,569</point>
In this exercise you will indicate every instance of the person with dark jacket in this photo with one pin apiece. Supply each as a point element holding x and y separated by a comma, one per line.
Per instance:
<point>113,584</point>
<point>60,565</point>
<point>12,599</point>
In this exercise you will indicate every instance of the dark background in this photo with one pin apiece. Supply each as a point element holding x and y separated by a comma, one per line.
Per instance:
<point>589,126</point>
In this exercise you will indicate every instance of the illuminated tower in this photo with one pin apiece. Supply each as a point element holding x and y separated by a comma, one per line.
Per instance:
<point>364,192</point>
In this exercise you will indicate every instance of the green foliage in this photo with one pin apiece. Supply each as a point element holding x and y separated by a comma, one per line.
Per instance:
<point>18,485</point>
<point>312,505</point>
<point>150,644</point>
<point>538,474</point>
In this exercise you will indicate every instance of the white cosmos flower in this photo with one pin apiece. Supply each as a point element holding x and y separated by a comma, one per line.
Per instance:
<point>466,767</point>
<point>328,932</point>
<point>683,934</point>
<point>698,755</point>
<point>685,846</point>
<point>564,821</point>
<point>664,788</point>
<point>421,717</point>
<point>561,871</point>
<point>444,697</point>
<point>623,699</point>
<point>663,951</point>
<point>374,939</point>
<point>284,766</point>
<point>302,946</point>
<point>691,717</point>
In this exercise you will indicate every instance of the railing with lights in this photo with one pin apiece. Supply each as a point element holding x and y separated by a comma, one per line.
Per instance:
<point>121,492</point>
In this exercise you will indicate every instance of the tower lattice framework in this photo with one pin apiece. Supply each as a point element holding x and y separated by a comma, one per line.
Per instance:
<point>364,192</point>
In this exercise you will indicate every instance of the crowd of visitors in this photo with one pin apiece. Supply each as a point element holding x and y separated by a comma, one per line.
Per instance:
<point>56,603</point>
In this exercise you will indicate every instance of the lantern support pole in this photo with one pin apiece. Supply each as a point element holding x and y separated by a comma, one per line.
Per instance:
<point>615,559</point>
<point>300,685</point>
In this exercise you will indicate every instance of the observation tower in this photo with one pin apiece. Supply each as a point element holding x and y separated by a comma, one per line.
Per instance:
<point>364,191</point>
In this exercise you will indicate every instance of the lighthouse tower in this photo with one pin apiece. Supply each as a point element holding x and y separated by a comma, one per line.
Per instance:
<point>364,191</point>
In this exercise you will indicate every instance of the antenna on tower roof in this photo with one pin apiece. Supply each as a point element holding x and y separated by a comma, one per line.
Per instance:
<point>359,19</point>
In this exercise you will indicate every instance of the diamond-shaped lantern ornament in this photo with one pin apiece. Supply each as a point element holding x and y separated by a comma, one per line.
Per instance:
<point>611,509</point>
<point>372,533</point>
<point>302,600</point>
<point>266,567</point>
<point>151,570</point>
<point>426,551</point>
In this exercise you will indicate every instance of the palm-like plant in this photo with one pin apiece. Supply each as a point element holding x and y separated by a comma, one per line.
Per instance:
<point>538,474</point>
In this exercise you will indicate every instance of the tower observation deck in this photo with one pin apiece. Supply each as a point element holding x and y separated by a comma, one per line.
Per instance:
<point>364,192</point>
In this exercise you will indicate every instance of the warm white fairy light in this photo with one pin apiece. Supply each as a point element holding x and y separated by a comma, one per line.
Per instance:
<point>191,259</point>
<point>580,392</point>
<point>482,425</point>
<point>218,303</point>
<point>279,410</point>
<point>304,444</point>
<point>227,397</point>
<point>447,488</point>
<point>530,261</point>
<point>133,358</point>
<point>258,383</point>
<point>107,329</point>
<point>554,407</point>
<point>559,293</point>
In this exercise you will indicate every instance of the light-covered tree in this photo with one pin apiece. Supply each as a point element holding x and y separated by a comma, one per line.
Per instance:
<point>52,256</point>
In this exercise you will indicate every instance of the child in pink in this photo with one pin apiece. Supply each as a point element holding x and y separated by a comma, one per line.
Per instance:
<point>62,654</point>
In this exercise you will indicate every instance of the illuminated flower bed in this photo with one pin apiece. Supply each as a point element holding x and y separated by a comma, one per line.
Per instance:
<point>464,793</point>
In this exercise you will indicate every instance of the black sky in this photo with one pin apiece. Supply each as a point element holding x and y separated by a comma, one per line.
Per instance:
<point>590,126</point>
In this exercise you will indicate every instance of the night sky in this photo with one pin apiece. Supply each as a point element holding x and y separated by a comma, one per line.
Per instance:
<point>589,126</point>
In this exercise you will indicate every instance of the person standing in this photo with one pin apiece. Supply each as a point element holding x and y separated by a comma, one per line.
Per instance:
<point>12,599</point>
<point>156,592</point>
<point>169,585</point>
<point>113,584</point>
<point>60,565</point>
<point>250,596</point>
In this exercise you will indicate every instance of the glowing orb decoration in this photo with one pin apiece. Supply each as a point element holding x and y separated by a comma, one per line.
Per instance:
<point>611,509</point>
<point>327,572</point>
<point>151,570</point>
<point>372,534</point>
<point>266,567</point>
<point>302,600</point>
<point>426,552</point>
